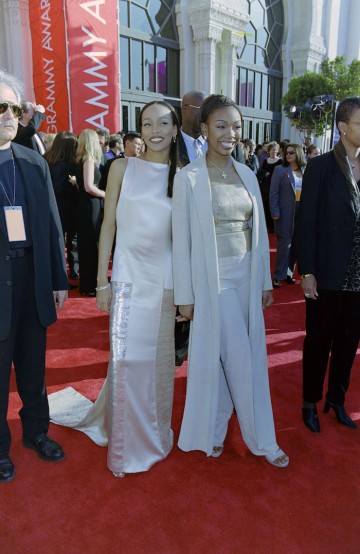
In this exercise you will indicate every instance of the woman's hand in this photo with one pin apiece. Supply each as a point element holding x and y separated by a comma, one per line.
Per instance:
<point>267,299</point>
<point>73,182</point>
<point>187,311</point>
<point>59,298</point>
<point>103,299</point>
<point>309,286</point>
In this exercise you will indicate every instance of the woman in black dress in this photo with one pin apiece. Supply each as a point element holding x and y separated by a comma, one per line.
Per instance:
<point>61,160</point>
<point>87,174</point>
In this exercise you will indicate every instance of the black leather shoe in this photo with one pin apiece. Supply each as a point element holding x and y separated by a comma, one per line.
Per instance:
<point>341,414</point>
<point>276,283</point>
<point>290,280</point>
<point>7,470</point>
<point>46,449</point>
<point>311,420</point>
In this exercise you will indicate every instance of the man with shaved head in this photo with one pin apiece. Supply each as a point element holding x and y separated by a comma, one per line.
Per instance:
<point>191,144</point>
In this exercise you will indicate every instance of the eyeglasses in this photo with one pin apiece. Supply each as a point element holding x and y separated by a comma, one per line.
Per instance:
<point>190,106</point>
<point>290,152</point>
<point>15,108</point>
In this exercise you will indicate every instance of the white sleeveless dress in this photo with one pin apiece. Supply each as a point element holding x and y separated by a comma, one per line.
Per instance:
<point>132,414</point>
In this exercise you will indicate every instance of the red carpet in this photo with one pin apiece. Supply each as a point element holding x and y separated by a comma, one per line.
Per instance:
<point>189,503</point>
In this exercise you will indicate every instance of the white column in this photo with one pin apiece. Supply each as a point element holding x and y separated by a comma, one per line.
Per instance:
<point>205,63</point>
<point>352,51</point>
<point>308,48</point>
<point>228,62</point>
<point>16,31</point>
<point>217,29</point>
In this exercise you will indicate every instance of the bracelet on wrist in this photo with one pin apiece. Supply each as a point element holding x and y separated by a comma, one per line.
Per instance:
<point>306,275</point>
<point>102,288</point>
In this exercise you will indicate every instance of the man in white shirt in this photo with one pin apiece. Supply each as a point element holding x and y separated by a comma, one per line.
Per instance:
<point>191,144</point>
<point>132,144</point>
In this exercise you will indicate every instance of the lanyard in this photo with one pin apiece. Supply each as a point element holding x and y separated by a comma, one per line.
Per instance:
<point>8,199</point>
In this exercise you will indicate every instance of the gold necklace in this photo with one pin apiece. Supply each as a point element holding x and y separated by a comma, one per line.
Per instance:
<point>221,171</point>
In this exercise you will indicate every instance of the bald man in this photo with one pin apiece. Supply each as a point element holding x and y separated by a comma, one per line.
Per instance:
<point>191,144</point>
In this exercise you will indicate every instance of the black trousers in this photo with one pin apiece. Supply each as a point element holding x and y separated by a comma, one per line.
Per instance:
<point>332,330</point>
<point>181,335</point>
<point>89,225</point>
<point>25,347</point>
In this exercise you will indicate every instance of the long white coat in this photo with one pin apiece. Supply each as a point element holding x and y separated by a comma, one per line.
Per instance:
<point>196,281</point>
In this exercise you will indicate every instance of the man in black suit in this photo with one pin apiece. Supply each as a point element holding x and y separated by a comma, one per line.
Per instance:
<point>29,122</point>
<point>328,248</point>
<point>32,267</point>
<point>251,159</point>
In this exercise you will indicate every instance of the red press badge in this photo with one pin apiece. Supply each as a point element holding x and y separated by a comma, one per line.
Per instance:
<point>15,223</point>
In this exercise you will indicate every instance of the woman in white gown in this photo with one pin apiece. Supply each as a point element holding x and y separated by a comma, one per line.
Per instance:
<point>132,414</point>
<point>222,282</point>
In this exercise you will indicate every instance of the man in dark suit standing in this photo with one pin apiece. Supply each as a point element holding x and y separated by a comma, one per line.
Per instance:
<point>32,267</point>
<point>29,122</point>
<point>328,250</point>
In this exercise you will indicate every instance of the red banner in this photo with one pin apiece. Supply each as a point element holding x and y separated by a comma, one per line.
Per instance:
<point>49,63</point>
<point>93,62</point>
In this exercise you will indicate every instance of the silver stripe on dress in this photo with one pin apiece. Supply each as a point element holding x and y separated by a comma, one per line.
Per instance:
<point>116,405</point>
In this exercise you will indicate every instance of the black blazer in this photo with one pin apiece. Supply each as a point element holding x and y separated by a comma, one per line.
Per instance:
<point>254,164</point>
<point>105,171</point>
<point>325,223</point>
<point>238,154</point>
<point>47,240</point>
<point>26,135</point>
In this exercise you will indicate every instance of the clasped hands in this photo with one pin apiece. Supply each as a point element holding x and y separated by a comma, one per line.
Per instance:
<point>186,313</point>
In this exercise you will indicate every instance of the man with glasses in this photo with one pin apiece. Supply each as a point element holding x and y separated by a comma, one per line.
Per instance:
<point>191,144</point>
<point>33,281</point>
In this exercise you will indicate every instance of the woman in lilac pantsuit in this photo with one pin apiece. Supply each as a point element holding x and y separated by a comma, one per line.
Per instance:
<point>285,191</point>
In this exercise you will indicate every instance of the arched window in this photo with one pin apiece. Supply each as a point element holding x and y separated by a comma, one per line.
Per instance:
<point>259,71</point>
<point>149,47</point>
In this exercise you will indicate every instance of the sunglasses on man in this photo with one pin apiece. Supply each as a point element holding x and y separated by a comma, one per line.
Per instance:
<point>15,108</point>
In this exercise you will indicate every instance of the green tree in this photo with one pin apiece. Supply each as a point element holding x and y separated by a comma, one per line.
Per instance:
<point>335,78</point>
<point>345,79</point>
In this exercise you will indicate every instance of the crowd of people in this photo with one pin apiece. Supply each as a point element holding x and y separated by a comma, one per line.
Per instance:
<point>183,211</point>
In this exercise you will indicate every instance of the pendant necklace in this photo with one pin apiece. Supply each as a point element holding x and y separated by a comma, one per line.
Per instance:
<point>353,165</point>
<point>221,171</point>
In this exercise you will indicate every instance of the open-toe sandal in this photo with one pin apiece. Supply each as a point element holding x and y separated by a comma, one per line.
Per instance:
<point>278,459</point>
